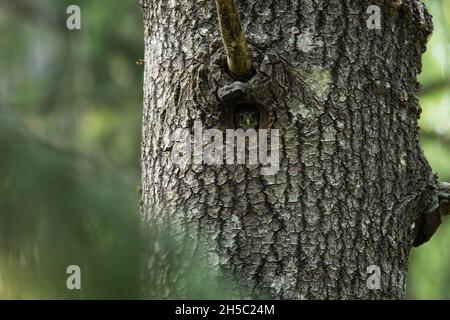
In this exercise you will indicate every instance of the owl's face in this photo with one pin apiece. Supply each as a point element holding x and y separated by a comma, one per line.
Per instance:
<point>247,119</point>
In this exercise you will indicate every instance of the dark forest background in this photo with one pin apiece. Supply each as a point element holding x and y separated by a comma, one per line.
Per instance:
<point>70,119</point>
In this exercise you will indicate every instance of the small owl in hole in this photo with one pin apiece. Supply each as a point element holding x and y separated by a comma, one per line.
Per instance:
<point>246,117</point>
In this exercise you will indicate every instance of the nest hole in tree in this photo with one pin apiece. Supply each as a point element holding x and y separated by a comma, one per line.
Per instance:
<point>246,115</point>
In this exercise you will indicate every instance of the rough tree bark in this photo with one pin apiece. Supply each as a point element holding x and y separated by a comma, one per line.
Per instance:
<point>353,183</point>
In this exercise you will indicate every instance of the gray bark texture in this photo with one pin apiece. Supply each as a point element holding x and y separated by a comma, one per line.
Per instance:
<point>353,181</point>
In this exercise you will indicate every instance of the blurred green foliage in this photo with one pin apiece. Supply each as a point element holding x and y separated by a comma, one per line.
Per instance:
<point>70,112</point>
<point>70,115</point>
<point>56,210</point>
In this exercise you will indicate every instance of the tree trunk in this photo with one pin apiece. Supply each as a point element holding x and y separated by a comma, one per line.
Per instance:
<point>352,181</point>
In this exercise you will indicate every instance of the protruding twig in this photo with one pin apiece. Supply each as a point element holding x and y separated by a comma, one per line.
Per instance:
<point>238,59</point>
<point>432,219</point>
